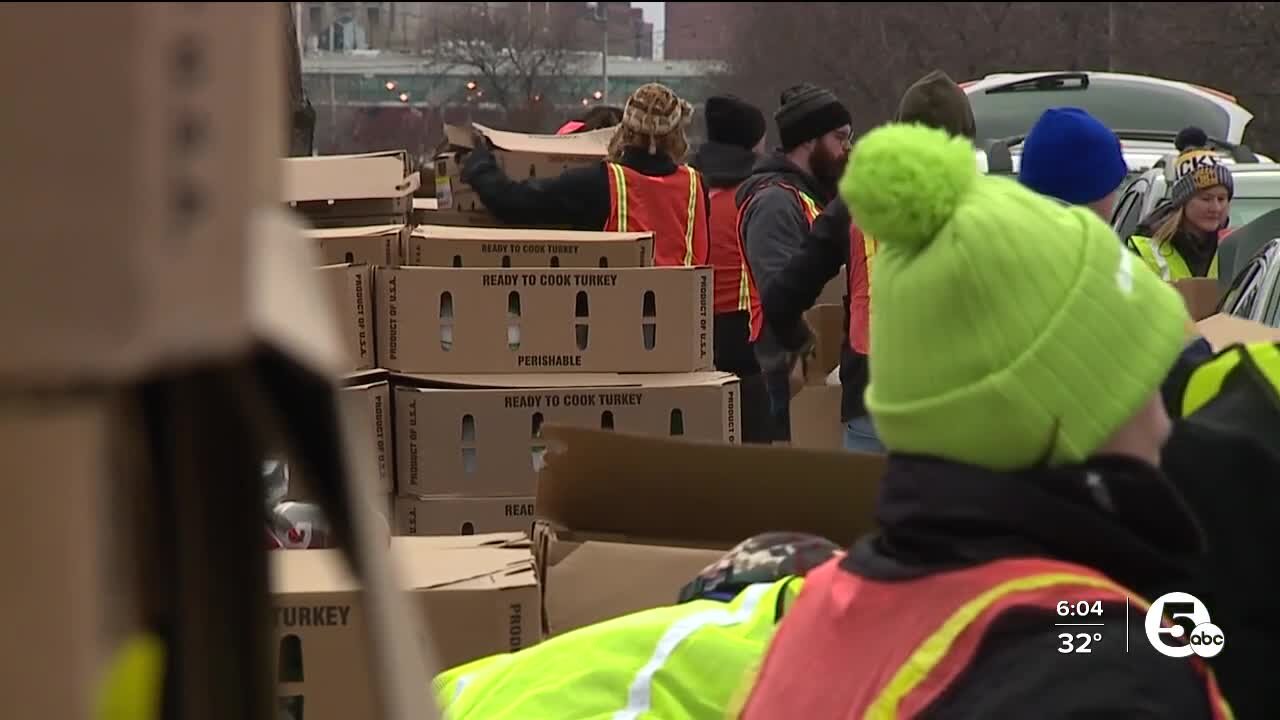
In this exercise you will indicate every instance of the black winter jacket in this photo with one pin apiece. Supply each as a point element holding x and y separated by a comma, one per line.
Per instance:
<point>726,166</point>
<point>577,199</point>
<point>796,288</point>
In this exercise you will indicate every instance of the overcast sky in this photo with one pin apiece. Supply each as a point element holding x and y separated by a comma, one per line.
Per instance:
<point>653,13</point>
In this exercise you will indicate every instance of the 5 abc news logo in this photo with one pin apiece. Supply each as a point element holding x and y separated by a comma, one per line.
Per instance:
<point>1192,632</point>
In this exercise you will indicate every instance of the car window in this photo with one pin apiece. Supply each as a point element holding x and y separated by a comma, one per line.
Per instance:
<point>1120,104</point>
<point>1242,296</point>
<point>1246,210</point>
<point>1125,218</point>
<point>1271,316</point>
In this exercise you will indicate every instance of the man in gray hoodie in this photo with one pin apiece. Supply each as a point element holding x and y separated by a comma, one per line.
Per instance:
<point>934,100</point>
<point>777,205</point>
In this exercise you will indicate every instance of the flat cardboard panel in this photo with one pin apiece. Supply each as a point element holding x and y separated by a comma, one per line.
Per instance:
<point>462,515</point>
<point>151,268</point>
<point>381,245</point>
<point>487,441</point>
<point>632,485</point>
<point>445,246</point>
<point>459,320</point>
<point>1201,295</point>
<point>1223,330</point>
<point>348,287</point>
<point>477,599</point>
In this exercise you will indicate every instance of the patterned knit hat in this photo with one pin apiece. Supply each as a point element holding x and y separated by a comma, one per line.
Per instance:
<point>1197,167</point>
<point>655,110</point>
<point>763,558</point>
<point>1007,330</point>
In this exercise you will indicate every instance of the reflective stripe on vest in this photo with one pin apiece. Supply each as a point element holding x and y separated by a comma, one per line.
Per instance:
<point>1207,380</point>
<point>680,662</point>
<point>899,646</point>
<point>810,210</point>
<point>681,235</point>
<point>1167,262</point>
<point>733,287</point>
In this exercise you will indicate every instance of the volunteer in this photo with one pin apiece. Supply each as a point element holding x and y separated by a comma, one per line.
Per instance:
<point>1070,155</point>
<point>735,138</point>
<point>680,662</point>
<point>777,205</point>
<point>1179,240</point>
<point>643,185</point>
<point>1017,353</point>
<point>1229,427</point>
<point>936,101</point>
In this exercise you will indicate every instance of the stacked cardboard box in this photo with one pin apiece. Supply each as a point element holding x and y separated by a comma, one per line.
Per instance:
<point>492,332</point>
<point>358,208</point>
<point>479,595</point>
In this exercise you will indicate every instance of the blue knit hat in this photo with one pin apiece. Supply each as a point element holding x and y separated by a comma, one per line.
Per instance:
<point>1071,156</point>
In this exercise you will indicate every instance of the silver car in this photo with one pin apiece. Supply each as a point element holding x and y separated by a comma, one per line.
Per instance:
<point>1255,291</point>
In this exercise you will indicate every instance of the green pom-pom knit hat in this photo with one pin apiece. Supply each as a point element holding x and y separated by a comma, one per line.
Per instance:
<point>1006,329</point>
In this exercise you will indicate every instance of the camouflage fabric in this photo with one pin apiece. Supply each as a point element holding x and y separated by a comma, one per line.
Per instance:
<point>763,558</point>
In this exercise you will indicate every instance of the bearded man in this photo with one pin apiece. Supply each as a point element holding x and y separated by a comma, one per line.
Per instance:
<point>777,205</point>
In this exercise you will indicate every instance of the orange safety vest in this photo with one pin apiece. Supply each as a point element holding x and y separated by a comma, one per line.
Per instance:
<point>732,280</point>
<point>672,207</point>
<point>897,646</point>
<point>862,250</point>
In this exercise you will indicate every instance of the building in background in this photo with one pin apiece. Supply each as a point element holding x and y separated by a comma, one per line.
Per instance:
<point>413,27</point>
<point>698,30</point>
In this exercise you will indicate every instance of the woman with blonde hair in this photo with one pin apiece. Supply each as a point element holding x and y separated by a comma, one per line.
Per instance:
<point>643,185</point>
<point>1180,239</point>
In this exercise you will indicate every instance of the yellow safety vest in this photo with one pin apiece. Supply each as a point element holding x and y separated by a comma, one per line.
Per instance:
<point>680,662</point>
<point>1208,379</point>
<point>1165,260</point>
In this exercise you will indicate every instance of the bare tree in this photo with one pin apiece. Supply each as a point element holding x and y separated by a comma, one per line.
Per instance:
<point>868,53</point>
<point>517,56</point>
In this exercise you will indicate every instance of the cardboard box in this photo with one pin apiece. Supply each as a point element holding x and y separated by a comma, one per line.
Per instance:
<point>459,320</point>
<point>521,156</point>
<point>1223,331</point>
<point>176,170</point>
<point>351,186</point>
<point>815,418</point>
<point>478,435</point>
<point>348,288</point>
<point>828,325</point>
<point>381,245</point>
<point>653,494</point>
<point>834,291</point>
<point>440,246</point>
<point>426,211</point>
<point>367,397</point>
<point>478,595</point>
<point>462,515</point>
<point>1202,296</point>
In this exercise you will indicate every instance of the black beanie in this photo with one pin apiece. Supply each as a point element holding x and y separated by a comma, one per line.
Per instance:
<point>732,121</point>
<point>807,113</point>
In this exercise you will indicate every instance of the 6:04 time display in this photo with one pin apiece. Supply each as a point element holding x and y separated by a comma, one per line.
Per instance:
<point>1079,608</point>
